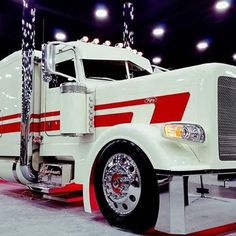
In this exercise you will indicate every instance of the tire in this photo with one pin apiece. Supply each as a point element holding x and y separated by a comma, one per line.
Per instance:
<point>126,187</point>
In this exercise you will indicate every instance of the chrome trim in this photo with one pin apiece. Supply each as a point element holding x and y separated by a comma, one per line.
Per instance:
<point>72,87</point>
<point>121,184</point>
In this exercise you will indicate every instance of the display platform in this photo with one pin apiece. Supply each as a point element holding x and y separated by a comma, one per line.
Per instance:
<point>197,212</point>
<point>24,213</point>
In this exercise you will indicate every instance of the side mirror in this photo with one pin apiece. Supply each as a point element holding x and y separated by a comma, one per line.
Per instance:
<point>48,61</point>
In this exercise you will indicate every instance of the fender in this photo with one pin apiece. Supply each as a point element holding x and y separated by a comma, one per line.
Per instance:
<point>163,154</point>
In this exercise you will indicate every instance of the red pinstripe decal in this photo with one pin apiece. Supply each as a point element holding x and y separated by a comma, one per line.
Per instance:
<point>10,128</point>
<point>49,114</point>
<point>113,119</point>
<point>120,104</point>
<point>45,126</point>
<point>10,117</point>
<point>170,108</point>
<point>167,107</point>
<point>43,115</point>
<point>35,116</point>
<point>34,126</point>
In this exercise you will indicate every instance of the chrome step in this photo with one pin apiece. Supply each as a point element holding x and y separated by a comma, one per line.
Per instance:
<point>55,189</point>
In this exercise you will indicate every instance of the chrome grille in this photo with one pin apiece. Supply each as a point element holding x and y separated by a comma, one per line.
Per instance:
<point>227,118</point>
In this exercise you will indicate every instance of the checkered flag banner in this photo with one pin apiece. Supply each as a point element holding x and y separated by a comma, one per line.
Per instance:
<point>28,45</point>
<point>128,34</point>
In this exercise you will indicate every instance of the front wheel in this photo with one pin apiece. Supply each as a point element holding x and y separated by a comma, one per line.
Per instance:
<point>126,187</point>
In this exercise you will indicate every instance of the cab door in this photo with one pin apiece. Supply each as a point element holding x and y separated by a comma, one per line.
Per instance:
<point>65,63</point>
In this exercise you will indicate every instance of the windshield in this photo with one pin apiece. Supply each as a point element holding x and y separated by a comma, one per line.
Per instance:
<point>95,69</point>
<point>136,71</point>
<point>112,70</point>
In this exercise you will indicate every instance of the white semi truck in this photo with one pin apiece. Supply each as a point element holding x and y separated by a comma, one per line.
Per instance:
<point>103,122</point>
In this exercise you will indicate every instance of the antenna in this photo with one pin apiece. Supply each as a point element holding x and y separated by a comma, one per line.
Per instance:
<point>128,33</point>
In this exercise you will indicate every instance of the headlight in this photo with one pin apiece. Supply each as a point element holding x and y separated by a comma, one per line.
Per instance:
<point>189,132</point>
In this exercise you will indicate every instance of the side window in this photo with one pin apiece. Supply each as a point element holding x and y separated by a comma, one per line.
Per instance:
<point>65,67</point>
<point>136,71</point>
<point>103,69</point>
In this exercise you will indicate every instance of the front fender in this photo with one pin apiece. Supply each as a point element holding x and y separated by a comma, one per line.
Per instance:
<point>163,154</point>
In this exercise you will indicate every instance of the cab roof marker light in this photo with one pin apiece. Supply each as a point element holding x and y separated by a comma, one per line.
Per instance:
<point>84,39</point>
<point>185,132</point>
<point>96,41</point>
<point>107,43</point>
<point>134,51</point>
<point>119,45</point>
<point>140,54</point>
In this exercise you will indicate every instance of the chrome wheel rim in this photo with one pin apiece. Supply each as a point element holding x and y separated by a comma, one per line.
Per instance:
<point>121,183</point>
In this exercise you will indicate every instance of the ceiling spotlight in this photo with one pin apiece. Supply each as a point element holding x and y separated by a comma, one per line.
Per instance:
<point>158,31</point>
<point>222,5</point>
<point>156,60</point>
<point>202,45</point>
<point>234,56</point>
<point>101,13</point>
<point>60,36</point>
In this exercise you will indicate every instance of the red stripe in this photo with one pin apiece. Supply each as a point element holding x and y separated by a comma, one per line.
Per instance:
<point>10,128</point>
<point>49,114</point>
<point>167,108</point>
<point>35,116</point>
<point>120,104</point>
<point>170,108</point>
<point>113,119</point>
<point>50,125</point>
<point>10,117</point>
<point>34,126</point>
<point>45,126</point>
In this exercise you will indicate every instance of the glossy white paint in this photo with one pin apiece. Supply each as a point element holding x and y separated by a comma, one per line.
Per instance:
<point>200,81</point>
<point>10,102</point>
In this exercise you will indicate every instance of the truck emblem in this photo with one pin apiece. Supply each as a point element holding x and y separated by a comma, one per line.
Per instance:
<point>151,100</point>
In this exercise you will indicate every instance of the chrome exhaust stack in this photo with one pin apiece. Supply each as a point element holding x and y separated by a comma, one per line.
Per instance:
<point>28,45</point>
